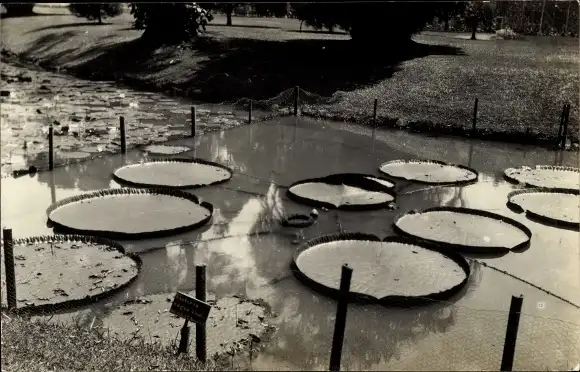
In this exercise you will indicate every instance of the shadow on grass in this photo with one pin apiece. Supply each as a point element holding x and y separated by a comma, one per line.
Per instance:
<point>318,32</point>
<point>18,15</point>
<point>68,25</point>
<point>210,25</point>
<point>222,70</point>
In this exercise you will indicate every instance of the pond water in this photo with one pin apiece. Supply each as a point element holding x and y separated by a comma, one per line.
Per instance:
<point>465,333</point>
<point>86,117</point>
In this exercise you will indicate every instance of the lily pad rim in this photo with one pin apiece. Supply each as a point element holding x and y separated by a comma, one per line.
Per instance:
<point>90,299</point>
<point>131,191</point>
<point>122,181</point>
<point>391,300</point>
<point>360,180</point>
<point>541,218</point>
<point>467,248</point>
<point>439,162</point>
<point>144,146</point>
<point>550,167</point>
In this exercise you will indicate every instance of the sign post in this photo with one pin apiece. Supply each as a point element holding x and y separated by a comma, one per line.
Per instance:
<point>192,310</point>
<point>200,336</point>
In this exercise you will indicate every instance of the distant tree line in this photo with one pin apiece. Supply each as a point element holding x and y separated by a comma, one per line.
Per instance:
<point>529,17</point>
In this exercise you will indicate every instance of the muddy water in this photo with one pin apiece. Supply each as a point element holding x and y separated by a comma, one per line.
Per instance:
<point>465,333</point>
<point>85,117</point>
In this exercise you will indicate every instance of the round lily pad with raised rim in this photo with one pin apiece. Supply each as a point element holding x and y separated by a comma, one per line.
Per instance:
<point>554,206</point>
<point>173,173</point>
<point>429,172</point>
<point>545,176</point>
<point>165,149</point>
<point>64,271</point>
<point>464,230</point>
<point>233,322</point>
<point>349,191</point>
<point>129,213</point>
<point>396,271</point>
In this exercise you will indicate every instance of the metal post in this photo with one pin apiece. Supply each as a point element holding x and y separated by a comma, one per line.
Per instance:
<point>340,321</point>
<point>193,121</point>
<point>474,125</point>
<point>250,113</point>
<point>122,132</point>
<point>9,269</point>
<point>509,347</point>
<point>296,98</point>
<point>50,147</point>
<point>200,336</point>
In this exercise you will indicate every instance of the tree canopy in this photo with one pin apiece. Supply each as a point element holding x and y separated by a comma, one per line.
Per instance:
<point>96,11</point>
<point>169,23</point>
<point>370,22</point>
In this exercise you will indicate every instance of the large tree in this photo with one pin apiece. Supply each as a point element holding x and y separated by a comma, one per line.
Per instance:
<point>96,11</point>
<point>370,22</point>
<point>479,12</point>
<point>169,23</point>
<point>448,10</point>
<point>226,8</point>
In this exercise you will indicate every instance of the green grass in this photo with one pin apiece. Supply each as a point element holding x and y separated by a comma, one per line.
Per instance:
<point>44,346</point>
<point>521,85</point>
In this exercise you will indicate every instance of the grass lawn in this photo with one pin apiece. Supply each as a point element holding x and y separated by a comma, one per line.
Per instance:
<point>521,85</point>
<point>45,346</point>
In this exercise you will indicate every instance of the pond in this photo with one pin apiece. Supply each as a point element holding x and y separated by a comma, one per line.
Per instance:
<point>248,252</point>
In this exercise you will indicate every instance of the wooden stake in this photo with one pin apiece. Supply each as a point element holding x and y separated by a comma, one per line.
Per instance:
<point>474,125</point>
<point>511,335</point>
<point>9,269</point>
<point>340,321</point>
<point>50,147</point>
<point>200,335</point>
<point>375,112</point>
<point>193,121</point>
<point>296,98</point>
<point>122,133</point>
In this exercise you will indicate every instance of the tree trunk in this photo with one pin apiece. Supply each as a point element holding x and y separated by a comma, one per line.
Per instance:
<point>446,27</point>
<point>100,17</point>
<point>229,11</point>
<point>473,28</point>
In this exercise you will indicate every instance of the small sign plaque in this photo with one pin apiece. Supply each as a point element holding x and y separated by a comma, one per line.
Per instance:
<point>190,308</point>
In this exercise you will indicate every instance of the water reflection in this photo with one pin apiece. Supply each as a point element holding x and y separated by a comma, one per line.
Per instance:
<point>257,265</point>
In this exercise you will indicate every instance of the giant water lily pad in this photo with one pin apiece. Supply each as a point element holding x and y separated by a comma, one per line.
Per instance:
<point>545,176</point>
<point>344,191</point>
<point>394,271</point>
<point>177,173</point>
<point>561,207</point>
<point>165,149</point>
<point>464,229</point>
<point>233,323</point>
<point>429,171</point>
<point>130,213</point>
<point>63,271</point>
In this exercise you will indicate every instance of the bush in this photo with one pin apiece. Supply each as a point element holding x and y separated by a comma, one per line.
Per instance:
<point>96,11</point>
<point>169,23</point>
<point>508,34</point>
